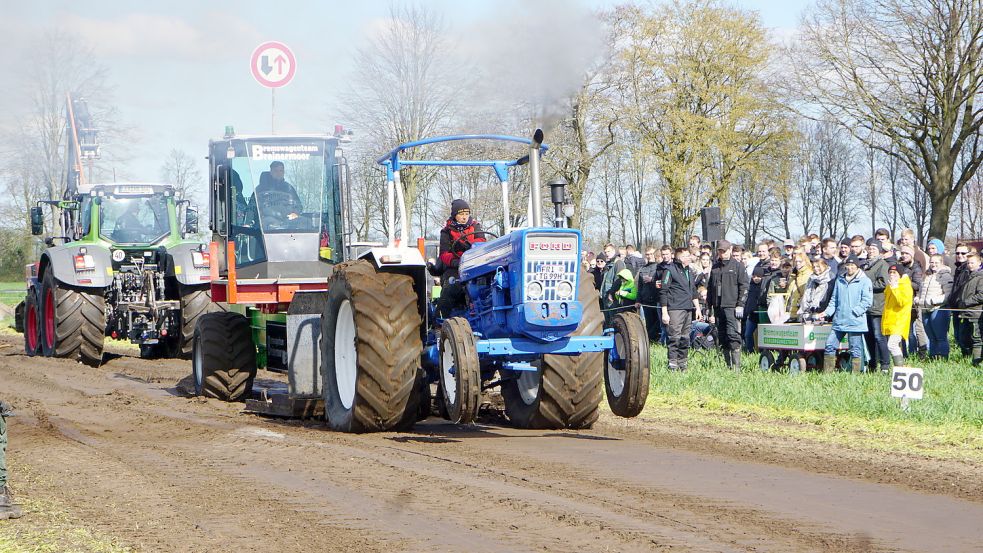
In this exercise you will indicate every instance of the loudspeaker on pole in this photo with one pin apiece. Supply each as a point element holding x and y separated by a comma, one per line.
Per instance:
<point>713,229</point>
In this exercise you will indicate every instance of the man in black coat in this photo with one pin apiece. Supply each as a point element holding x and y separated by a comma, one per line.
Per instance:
<point>648,294</point>
<point>959,278</point>
<point>727,290</point>
<point>680,306</point>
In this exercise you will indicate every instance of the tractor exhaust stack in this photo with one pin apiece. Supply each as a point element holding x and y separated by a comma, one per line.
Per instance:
<point>535,185</point>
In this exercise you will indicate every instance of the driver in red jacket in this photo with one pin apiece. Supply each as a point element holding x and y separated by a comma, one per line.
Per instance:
<point>457,236</point>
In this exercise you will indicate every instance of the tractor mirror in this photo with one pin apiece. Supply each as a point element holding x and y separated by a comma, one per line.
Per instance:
<point>191,221</point>
<point>37,221</point>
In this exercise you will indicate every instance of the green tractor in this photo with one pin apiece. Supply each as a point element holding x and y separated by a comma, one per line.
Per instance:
<point>122,268</point>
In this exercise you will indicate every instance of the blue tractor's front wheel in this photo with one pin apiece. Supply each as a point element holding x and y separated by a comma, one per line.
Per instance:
<point>460,374</point>
<point>627,368</point>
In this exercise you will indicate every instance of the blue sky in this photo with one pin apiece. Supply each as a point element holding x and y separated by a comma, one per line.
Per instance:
<point>180,69</point>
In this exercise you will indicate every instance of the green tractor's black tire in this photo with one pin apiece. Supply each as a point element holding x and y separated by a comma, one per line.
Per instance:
<point>32,323</point>
<point>566,391</point>
<point>626,382</point>
<point>73,321</point>
<point>377,374</point>
<point>195,302</point>
<point>223,358</point>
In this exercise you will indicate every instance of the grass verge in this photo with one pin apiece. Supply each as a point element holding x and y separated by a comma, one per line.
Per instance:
<point>854,410</point>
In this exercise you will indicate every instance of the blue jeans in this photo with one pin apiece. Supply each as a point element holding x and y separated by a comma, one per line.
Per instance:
<point>877,342</point>
<point>855,339</point>
<point>937,327</point>
<point>750,325</point>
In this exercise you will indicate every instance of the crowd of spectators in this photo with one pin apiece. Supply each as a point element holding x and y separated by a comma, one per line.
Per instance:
<point>885,300</point>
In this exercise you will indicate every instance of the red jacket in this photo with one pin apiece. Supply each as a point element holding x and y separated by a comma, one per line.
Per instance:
<point>471,231</point>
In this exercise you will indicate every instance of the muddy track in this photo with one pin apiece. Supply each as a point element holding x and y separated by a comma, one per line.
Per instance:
<point>132,456</point>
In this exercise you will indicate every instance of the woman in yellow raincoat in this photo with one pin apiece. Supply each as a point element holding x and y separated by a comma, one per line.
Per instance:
<point>896,321</point>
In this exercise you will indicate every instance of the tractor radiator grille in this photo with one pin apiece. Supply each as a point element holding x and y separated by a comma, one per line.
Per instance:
<point>550,274</point>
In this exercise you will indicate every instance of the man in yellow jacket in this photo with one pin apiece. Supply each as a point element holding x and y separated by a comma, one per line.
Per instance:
<point>896,321</point>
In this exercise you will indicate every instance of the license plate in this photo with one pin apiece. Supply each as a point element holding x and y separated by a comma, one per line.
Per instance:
<point>550,272</point>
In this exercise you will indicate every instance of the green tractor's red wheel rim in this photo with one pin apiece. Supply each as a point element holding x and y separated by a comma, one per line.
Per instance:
<point>49,318</point>
<point>32,327</point>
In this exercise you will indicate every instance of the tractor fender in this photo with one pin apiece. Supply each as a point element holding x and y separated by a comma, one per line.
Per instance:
<point>389,258</point>
<point>182,267</point>
<point>405,261</point>
<point>61,261</point>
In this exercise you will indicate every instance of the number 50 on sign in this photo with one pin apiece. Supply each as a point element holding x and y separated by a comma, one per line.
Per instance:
<point>907,382</point>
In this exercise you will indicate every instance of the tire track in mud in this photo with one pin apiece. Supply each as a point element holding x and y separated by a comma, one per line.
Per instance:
<point>164,472</point>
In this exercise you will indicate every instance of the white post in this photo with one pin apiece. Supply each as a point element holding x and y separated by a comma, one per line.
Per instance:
<point>391,211</point>
<point>505,207</point>
<point>404,224</point>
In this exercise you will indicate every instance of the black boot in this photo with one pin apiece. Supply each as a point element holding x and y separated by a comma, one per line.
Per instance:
<point>8,509</point>
<point>898,360</point>
<point>735,358</point>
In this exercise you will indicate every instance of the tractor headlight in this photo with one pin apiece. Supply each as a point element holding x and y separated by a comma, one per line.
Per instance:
<point>564,289</point>
<point>534,290</point>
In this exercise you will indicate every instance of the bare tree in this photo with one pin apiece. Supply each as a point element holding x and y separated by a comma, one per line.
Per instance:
<point>910,71</point>
<point>181,170</point>
<point>404,87</point>
<point>55,63</point>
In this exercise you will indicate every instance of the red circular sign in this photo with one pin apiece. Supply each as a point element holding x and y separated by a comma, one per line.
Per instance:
<point>273,64</point>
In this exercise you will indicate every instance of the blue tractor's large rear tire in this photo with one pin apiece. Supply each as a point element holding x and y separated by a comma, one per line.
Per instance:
<point>370,350</point>
<point>566,390</point>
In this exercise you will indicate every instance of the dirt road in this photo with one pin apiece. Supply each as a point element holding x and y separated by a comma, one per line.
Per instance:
<point>124,451</point>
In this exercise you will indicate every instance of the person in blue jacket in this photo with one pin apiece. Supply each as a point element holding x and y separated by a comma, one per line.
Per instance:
<point>852,296</point>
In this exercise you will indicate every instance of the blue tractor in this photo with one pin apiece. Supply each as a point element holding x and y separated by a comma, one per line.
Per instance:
<point>530,321</point>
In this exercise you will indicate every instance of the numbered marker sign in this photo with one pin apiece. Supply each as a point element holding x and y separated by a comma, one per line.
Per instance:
<point>907,382</point>
<point>273,64</point>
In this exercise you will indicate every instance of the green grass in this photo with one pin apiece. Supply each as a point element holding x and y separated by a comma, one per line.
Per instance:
<point>12,292</point>
<point>842,406</point>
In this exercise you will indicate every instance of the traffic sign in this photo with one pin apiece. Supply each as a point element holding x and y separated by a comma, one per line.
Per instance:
<point>273,64</point>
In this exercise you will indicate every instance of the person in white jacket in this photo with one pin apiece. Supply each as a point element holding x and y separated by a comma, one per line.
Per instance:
<point>935,288</point>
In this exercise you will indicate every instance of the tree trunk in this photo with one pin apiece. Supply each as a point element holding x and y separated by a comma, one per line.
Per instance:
<point>942,196</point>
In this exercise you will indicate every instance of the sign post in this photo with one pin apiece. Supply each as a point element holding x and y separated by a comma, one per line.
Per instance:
<point>907,383</point>
<point>273,65</point>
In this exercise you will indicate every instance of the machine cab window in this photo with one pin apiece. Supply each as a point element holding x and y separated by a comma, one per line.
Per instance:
<point>133,219</point>
<point>283,202</point>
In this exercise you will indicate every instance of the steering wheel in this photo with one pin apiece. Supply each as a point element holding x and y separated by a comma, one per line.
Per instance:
<point>463,236</point>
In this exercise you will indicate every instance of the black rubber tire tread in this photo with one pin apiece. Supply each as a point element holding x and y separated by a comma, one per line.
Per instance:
<point>570,386</point>
<point>31,303</point>
<point>628,326</point>
<point>228,356</point>
<point>387,349</point>
<point>80,322</point>
<point>464,408</point>
<point>195,302</point>
<point>767,356</point>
